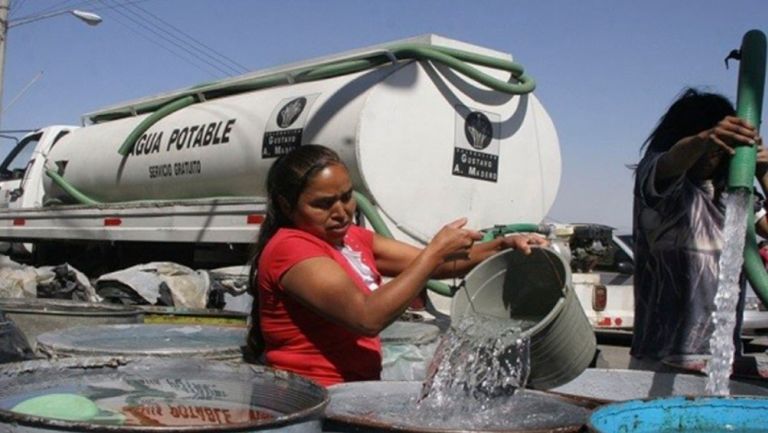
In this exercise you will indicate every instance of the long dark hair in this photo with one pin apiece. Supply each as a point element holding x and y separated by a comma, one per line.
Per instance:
<point>693,111</point>
<point>286,180</point>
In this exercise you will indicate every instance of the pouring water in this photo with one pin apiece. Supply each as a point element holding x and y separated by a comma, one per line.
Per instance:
<point>724,317</point>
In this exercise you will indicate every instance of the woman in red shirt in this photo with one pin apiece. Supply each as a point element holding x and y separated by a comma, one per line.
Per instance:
<point>319,299</point>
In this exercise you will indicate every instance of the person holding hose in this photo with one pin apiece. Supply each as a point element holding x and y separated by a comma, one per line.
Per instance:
<point>319,297</point>
<point>678,226</point>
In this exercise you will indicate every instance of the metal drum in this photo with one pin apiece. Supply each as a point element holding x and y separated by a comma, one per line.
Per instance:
<point>537,288</point>
<point>124,395</point>
<point>683,414</point>
<point>36,316</point>
<point>368,407</point>
<point>210,342</point>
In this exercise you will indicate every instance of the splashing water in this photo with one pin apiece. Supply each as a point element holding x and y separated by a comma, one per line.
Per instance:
<point>476,380</point>
<point>479,359</point>
<point>475,383</point>
<point>724,317</point>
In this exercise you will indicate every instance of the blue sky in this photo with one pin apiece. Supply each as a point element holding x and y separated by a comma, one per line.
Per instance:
<point>605,70</point>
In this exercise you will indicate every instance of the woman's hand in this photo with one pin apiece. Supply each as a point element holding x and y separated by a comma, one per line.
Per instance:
<point>727,134</point>
<point>453,241</point>
<point>523,242</point>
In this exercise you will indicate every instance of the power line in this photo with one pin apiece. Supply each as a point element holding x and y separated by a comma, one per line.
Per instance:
<point>237,67</point>
<point>15,7</point>
<point>63,6</point>
<point>60,6</point>
<point>154,41</point>
<point>55,6</point>
<point>181,43</point>
<point>175,40</point>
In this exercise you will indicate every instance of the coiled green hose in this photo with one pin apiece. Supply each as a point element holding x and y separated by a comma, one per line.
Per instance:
<point>455,59</point>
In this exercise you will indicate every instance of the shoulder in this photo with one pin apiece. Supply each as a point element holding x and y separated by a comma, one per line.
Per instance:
<point>646,187</point>
<point>288,247</point>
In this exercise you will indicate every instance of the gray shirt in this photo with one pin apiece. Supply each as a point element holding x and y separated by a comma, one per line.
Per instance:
<point>678,240</point>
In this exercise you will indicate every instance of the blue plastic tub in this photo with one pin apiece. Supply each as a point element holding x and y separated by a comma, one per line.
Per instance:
<point>683,414</point>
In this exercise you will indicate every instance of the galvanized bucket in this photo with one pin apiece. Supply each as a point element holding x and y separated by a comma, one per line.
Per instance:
<point>35,316</point>
<point>380,406</point>
<point>683,414</point>
<point>168,341</point>
<point>157,395</point>
<point>535,287</point>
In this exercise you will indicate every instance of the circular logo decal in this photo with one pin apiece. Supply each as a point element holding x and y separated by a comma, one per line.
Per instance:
<point>291,112</point>
<point>478,129</point>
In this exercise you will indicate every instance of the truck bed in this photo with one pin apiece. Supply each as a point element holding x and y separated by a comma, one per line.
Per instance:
<point>217,220</point>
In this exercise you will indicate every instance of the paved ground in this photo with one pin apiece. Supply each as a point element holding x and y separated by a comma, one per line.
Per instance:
<point>614,349</point>
<point>614,353</point>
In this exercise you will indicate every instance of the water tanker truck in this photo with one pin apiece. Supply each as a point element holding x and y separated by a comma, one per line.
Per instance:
<point>431,129</point>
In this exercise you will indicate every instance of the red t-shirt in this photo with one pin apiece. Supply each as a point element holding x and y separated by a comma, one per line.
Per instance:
<point>299,340</point>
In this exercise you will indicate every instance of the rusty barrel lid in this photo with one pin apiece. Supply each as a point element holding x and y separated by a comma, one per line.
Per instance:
<point>389,406</point>
<point>158,395</point>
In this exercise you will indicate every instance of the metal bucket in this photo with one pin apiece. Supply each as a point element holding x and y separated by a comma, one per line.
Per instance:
<point>158,395</point>
<point>535,287</point>
<point>683,414</point>
<point>376,406</point>
<point>609,385</point>
<point>35,316</point>
<point>210,342</point>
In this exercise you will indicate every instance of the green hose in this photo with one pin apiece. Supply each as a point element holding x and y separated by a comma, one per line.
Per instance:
<point>71,190</point>
<point>497,231</point>
<point>147,123</point>
<point>455,59</point>
<point>380,227</point>
<point>742,166</point>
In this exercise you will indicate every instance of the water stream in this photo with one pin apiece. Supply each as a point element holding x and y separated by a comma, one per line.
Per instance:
<point>737,204</point>
<point>477,378</point>
<point>479,358</point>
<point>474,383</point>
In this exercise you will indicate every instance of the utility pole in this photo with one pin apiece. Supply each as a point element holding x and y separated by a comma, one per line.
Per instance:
<point>4,7</point>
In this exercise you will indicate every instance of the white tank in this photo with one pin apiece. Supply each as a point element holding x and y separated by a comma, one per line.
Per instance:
<point>424,143</point>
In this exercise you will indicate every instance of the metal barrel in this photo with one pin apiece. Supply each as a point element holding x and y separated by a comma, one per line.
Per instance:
<point>157,395</point>
<point>682,414</point>
<point>390,406</point>
<point>167,341</point>
<point>538,288</point>
<point>35,316</point>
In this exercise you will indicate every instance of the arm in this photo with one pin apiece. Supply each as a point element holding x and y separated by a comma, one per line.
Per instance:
<point>322,285</point>
<point>686,152</point>
<point>393,256</point>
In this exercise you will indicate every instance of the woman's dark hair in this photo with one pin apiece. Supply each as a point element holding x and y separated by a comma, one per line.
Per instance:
<point>286,180</point>
<point>691,113</point>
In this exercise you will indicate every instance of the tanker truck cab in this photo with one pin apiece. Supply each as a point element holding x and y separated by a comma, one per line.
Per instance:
<point>22,171</point>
